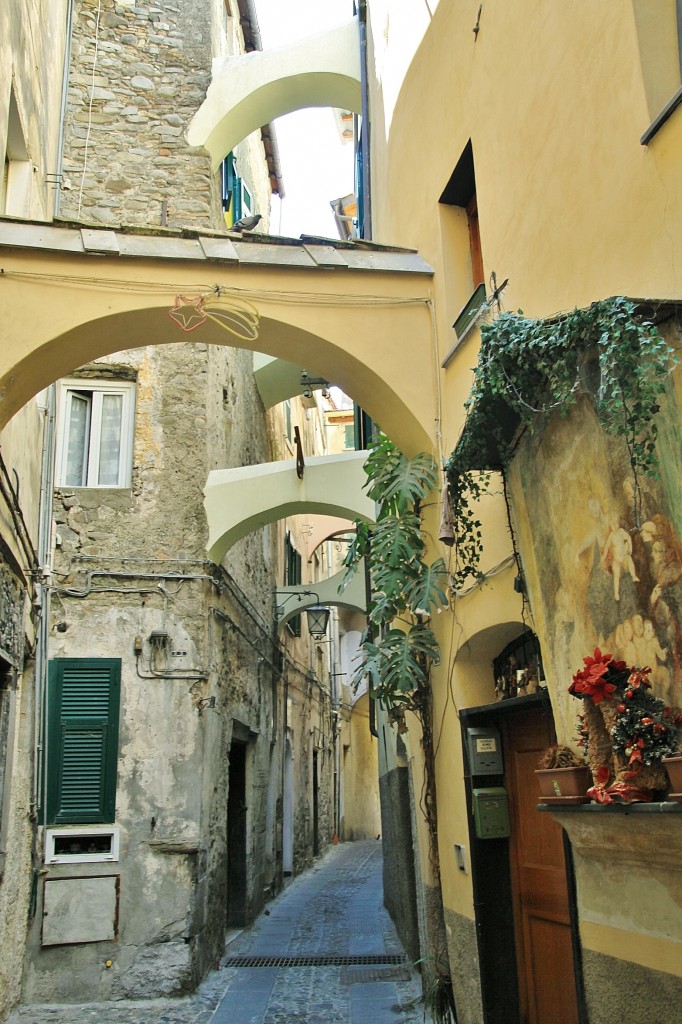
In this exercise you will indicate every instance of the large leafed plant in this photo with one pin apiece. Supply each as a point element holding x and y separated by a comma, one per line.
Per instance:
<point>398,646</point>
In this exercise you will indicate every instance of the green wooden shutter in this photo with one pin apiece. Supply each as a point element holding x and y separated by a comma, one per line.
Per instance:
<point>82,740</point>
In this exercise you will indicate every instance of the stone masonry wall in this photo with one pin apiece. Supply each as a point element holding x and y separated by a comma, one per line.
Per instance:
<point>139,72</point>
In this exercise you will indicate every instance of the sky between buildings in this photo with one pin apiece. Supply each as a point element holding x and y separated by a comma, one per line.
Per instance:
<point>316,166</point>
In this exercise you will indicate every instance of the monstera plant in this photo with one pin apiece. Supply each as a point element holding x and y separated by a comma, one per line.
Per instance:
<point>398,647</point>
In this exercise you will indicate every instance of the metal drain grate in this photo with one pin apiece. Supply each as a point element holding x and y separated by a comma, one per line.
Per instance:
<point>376,960</point>
<point>367,975</point>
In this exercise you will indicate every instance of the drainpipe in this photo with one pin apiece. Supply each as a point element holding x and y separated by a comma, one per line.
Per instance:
<point>361,9</point>
<point>62,112</point>
<point>43,588</point>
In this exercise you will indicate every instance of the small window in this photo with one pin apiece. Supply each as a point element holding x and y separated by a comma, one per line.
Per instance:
<point>7,715</point>
<point>95,434</point>
<point>294,564</point>
<point>82,846</point>
<point>288,425</point>
<point>17,177</point>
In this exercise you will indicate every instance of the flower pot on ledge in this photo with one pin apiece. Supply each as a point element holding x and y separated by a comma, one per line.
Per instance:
<point>564,785</point>
<point>673,766</point>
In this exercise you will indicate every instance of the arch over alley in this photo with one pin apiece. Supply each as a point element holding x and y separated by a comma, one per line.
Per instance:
<point>249,91</point>
<point>359,316</point>
<point>243,499</point>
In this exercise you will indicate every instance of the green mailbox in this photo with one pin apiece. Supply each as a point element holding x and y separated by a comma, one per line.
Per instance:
<point>491,813</point>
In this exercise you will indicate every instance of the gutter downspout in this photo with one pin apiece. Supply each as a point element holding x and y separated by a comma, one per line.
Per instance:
<point>43,589</point>
<point>62,112</point>
<point>366,136</point>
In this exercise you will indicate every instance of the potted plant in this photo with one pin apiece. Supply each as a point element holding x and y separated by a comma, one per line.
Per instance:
<point>626,731</point>
<point>673,766</point>
<point>563,777</point>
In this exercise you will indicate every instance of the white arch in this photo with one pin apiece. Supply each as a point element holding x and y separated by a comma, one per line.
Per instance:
<point>238,501</point>
<point>249,91</point>
<point>326,592</point>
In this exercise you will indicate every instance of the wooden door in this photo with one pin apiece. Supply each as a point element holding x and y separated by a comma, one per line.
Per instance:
<point>544,947</point>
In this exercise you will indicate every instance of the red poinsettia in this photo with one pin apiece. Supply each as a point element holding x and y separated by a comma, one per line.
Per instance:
<point>595,680</point>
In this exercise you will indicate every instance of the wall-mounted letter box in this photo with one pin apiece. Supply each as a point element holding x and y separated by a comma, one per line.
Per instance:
<point>485,751</point>
<point>491,813</point>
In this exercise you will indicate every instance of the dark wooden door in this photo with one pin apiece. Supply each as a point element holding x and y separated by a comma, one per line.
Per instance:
<point>544,944</point>
<point>236,836</point>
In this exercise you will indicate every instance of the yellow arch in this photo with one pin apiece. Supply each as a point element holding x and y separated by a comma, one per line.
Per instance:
<point>368,330</point>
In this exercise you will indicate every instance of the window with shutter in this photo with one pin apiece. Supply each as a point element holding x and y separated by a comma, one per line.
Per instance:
<point>82,740</point>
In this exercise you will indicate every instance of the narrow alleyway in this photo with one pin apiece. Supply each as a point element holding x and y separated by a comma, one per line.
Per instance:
<point>323,952</point>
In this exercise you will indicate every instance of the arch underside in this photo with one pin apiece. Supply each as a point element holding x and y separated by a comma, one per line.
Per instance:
<point>250,91</point>
<point>366,330</point>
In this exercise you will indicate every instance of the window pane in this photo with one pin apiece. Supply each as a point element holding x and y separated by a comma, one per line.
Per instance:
<point>77,440</point>
<point>110,440</point>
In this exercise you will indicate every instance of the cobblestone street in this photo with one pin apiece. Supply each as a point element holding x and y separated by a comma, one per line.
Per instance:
<point>325,952</point>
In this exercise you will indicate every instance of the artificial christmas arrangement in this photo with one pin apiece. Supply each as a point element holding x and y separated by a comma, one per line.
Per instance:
<point>625,730</point>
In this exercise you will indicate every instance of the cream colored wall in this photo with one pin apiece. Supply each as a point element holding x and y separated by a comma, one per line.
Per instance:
<point>32,37</point>
<point>346,328</point>
<point>32,40</point>
<point>361,815</point>
<point>572,208</point>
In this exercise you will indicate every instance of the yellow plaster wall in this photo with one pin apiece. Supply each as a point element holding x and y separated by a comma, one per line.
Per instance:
<point>361,815</point>
<point>572,208</point>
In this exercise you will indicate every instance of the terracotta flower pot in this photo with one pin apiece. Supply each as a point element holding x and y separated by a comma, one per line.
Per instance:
<point>673,766</point>
<point>564,784</point>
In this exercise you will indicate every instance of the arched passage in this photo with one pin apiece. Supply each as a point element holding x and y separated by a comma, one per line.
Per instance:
<point>241,500</point>
<point>249,91</point>
<point>365,325</point>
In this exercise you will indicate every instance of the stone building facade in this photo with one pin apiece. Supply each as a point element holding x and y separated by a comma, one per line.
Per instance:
<point>217,712</point>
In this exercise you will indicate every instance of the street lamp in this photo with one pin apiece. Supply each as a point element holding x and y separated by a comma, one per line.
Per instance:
<point>318,615</point>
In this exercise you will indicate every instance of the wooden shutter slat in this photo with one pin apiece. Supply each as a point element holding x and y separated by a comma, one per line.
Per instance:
<point>82,740</point>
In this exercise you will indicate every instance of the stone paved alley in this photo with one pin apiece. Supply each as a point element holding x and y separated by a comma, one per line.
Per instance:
<point>334,910</point>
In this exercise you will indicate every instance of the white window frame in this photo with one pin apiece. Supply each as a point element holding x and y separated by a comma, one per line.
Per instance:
<point>97,389</point>
<point>80,832</point>
<point>247,199</point>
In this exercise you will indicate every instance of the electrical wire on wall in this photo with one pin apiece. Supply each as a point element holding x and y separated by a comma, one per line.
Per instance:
<point>92,98</point>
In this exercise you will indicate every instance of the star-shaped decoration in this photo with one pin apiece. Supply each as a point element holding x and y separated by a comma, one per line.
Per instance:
<point>188,313</point>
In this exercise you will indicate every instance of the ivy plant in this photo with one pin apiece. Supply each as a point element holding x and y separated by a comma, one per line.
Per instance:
<point>527,368</point>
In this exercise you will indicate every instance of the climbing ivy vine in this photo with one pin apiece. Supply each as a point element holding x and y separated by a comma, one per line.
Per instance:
<point>527,368</point>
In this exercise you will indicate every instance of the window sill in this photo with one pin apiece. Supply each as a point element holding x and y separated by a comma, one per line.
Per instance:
<point>665,807</point>
<point>467,319</point>
<point>661,118</point>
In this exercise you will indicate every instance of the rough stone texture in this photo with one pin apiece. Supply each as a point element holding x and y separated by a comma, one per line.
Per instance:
<point>136,81</point>
<point>619,990</point>
<point>20,448</point>
<point>132,561</point>
<point>399,877</point>
<point>463,956</point>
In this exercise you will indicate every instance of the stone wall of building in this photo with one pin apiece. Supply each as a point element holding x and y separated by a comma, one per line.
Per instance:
<point>131,563</point>
<point>138,73</point>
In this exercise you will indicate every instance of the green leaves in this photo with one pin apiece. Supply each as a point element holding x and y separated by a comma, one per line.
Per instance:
<point>428,590</point>
<point>527,368</point>
<point>400,481</point>
<point>398,664</point>
<point>404,585</point>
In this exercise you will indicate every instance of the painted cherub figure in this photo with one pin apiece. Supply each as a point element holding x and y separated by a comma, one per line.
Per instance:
<point>617,556</point>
